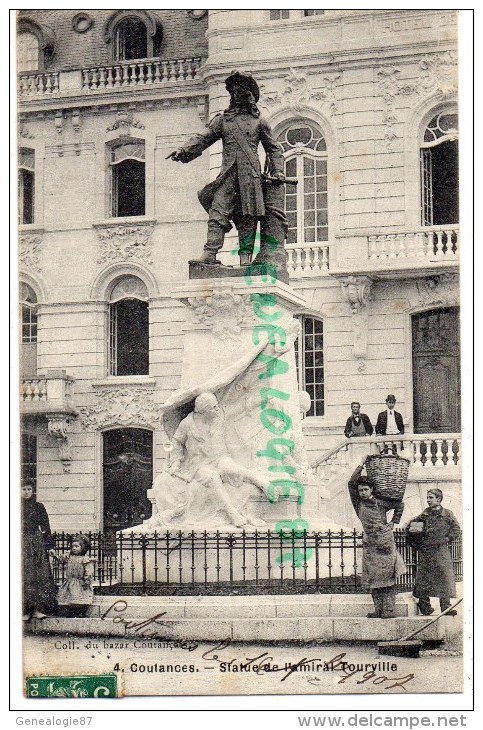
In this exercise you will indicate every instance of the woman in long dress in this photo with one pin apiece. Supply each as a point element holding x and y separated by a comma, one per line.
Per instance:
<point>38,583</point>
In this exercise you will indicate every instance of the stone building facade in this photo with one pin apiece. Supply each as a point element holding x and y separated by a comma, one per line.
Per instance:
<point>364,104</point>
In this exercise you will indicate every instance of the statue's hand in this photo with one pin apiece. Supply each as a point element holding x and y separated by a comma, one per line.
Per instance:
<point>176,156</point>
<point>278,177</point>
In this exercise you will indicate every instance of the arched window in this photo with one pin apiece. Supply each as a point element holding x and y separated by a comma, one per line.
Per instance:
<point>133,34</point>
<point>26,185</point>
<point>131,40</point>
<point>129,328</point>
<point>306,205</point>
<point>28,331</point>
<point>28,56</point>
<point>28,304</point>
<point>309,357</point>
<point>128,178</point>
<point>439,171</point>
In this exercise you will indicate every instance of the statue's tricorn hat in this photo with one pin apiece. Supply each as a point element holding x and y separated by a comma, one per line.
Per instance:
<point>239,78</point>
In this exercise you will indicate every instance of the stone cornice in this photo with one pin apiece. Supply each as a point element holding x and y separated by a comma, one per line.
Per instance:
<point>190,91</point>
<point>327,20</point>
<point>336,60</point>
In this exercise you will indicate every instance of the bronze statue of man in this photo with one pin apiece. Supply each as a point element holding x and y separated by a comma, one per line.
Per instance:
<point>236,194</point>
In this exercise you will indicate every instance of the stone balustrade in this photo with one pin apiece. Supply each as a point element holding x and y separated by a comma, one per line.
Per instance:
<point>38,84</point>
<point>34,390</point>
<point>47,394</point>
<point>429,452</point>
<point>436,243</point>
<point>139,73</point>
<point>309,259</point>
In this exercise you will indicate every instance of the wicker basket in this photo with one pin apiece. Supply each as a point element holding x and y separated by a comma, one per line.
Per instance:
<point>389,473</point>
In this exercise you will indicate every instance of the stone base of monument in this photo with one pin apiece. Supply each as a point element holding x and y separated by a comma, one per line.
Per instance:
<point>200,270</point>
<point>327,618</point>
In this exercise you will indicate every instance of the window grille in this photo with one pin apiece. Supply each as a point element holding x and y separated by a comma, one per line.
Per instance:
<point>309,358</point>
<point>128,179</point>
<point>439,171</point>
<point>26,185</point>
<point>27,52</point>
<point>129,328</point>
<point>29,324</point>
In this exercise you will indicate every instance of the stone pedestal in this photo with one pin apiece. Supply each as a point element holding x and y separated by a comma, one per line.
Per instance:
<point>229,320</point>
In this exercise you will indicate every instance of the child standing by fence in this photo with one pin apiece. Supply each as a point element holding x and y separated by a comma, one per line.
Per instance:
<point>76,592</point>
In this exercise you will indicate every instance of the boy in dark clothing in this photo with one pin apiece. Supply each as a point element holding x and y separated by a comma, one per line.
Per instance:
<point>435,575</point>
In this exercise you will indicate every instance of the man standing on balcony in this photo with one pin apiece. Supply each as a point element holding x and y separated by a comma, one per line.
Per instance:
<point>237,193</point>
<point>390,422</point>
<point>381,563</point>
<point>358,424</point>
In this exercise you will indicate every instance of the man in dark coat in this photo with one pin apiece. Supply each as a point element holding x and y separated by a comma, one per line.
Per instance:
<point>435,575</point>
<point>390,422</point>
<point>236,194</point>
<point>358,424</point>
<point>381,563</point>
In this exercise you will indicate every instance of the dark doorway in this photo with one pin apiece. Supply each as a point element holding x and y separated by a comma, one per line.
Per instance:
<point>127,475</point>
<point>436,371</point>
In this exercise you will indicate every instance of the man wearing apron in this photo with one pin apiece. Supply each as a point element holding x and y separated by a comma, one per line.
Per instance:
<point>381,563</point>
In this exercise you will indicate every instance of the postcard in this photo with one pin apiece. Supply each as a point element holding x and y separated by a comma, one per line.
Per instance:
<point>240,360</point>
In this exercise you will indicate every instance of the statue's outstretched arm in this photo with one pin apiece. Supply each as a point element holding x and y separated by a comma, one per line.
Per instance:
<point>198,144</point>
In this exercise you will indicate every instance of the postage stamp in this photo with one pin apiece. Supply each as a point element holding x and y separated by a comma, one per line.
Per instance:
<point>240,379</point>
<point>72,687</point>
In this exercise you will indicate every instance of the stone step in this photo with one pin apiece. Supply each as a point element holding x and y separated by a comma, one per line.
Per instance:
<point>245,629</point>
<point>245,607</point>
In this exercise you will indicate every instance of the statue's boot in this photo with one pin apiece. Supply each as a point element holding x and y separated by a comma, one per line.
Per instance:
<point>208,257</point>
<point>245,259</point>
<point>214,243</point>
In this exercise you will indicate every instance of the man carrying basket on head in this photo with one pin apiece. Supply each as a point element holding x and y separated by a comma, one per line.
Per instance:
<point>381,563</point>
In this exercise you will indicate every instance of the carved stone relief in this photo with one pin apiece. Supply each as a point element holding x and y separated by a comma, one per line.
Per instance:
<point>125,243</point>
<point>128,406</point>
<point>125,119</point>
<point>439,290</point>
<point>59,426</point>
<point>357,290</point>
<point>437,73</point>
<point>224,312</point>
<point>25,132</point>
<point>297,90</point>
<point>30,249</point>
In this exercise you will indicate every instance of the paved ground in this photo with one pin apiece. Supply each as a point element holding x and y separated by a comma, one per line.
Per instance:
<point>147,666</point>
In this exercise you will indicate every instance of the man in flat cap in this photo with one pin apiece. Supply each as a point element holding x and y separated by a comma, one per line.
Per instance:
<point>390,422</point>
<point>236,194</point>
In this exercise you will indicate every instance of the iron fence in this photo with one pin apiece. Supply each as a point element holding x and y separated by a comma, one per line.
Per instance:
<point>242,562</point>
